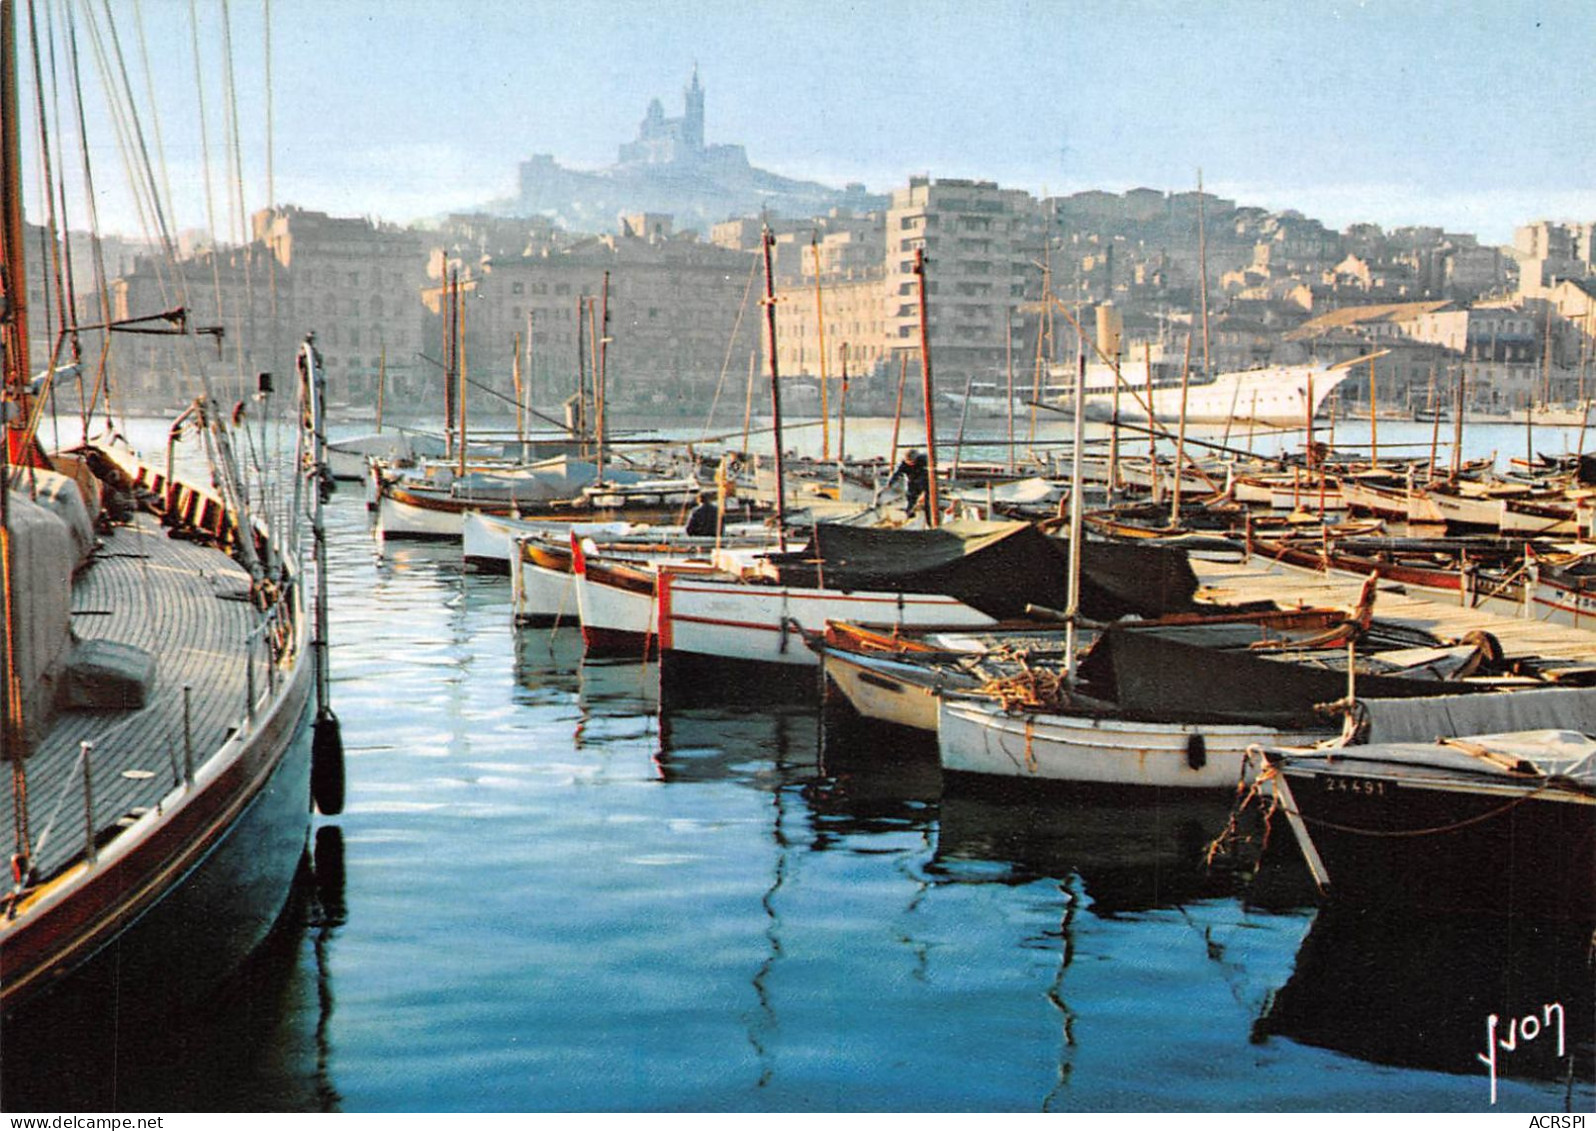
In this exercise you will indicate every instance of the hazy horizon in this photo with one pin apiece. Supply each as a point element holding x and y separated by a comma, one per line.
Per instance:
<point>1394,113</point>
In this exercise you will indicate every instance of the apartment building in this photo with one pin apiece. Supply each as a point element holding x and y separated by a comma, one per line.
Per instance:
<point>983,248</point>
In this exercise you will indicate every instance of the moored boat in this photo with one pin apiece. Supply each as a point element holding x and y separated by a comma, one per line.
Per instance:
<point>172,716</point>
<point>1490,824</point>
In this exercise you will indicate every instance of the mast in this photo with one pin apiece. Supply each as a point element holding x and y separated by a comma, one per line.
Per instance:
<point>1202,270</point>
<point>382,382</point>
<point>1435,425</point>
<point>447,310</point>
<point>1180,436</point>
<point>15,283</point>
<point>842,414</point>
<point>460,369</point>
<point>897,412</point>
<point>1008,365</point>
<point>1374,419</point>
<point>13,396</point>
<point>602,372</point>
<point>580,422</point>
<point>520,399</point>
<point>925,383</point>
<point>1072,609</point>
<point>775,392</point>
<point>958,443</point>
<point>820,338</point>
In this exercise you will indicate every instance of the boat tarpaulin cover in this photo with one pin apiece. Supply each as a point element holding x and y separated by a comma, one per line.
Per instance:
<point>1424,720</point>
<point>1565,754</point>
<point>1206,673</point>
<point>996,567</point>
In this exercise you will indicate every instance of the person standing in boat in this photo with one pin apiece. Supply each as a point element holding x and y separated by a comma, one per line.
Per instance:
<point>916,483</point>
<point>704,519</point>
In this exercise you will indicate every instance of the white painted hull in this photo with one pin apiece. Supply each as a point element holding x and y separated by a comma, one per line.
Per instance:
<point>615,621</point>
<point>1278,395</point>
<point>733,620</point>
<point>542,595</point>
<point>1559,603</point>
<point>874,688</point>
<point>980,738</point>
<point>396,519</point>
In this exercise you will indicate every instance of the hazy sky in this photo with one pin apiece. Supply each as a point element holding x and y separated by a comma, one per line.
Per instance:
<point>1474,114</point>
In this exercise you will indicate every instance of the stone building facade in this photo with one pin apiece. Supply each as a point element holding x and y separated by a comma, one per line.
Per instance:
<point>681,313</point>
<point>352,282</point>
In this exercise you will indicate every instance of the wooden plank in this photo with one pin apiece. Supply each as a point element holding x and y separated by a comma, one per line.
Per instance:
<point>171,598</point>
<point>1288,585</point>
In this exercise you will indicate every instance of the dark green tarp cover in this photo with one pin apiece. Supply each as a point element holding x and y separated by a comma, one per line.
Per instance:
<point>996,567</point>
<point>1206,674</point>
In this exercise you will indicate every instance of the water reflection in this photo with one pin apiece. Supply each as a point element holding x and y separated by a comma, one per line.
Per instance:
<point>766,748</point>
<point>1416,992</point>
<point>1129,851</point>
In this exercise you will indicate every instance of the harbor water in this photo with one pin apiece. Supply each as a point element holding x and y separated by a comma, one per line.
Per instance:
<point>550,891</point>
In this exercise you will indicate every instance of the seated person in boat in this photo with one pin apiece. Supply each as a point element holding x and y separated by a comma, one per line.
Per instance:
<point>703,519</point>
<point>916,482</point>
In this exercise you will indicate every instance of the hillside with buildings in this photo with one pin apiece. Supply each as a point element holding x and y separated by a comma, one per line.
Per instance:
<point>665,244</point>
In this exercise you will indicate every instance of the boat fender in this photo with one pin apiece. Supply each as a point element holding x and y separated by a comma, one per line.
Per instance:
<point>327,765</point>
<point>1196,751</point>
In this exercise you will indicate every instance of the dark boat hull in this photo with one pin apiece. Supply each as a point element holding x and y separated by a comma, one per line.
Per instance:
<point>170,918</point>
<point>1504,851</point>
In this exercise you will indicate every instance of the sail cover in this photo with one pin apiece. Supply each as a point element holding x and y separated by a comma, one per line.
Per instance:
<point>996,567</point>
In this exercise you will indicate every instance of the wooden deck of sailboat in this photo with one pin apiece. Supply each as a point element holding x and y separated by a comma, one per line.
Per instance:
<point>186,605</point>
<point>1290,585</point>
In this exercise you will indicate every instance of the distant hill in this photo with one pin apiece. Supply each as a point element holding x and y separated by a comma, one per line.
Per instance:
<point>669,168</point>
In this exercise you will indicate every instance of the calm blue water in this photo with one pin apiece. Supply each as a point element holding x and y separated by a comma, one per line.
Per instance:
<point>556,894</point>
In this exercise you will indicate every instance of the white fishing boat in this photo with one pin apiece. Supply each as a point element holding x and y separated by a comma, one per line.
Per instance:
<point>980,737</point>
<point>349,458</point>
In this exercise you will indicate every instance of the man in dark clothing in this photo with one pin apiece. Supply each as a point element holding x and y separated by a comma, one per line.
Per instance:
<point>704,519</point>
<point>916,483</point>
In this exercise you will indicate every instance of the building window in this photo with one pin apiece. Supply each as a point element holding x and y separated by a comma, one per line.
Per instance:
<point>517,288</point>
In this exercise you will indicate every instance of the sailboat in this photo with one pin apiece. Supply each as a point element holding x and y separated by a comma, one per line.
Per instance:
<point>165,710</point>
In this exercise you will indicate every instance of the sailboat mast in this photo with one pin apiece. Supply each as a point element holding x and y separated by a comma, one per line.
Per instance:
<point>15,283</point>
<point>1072,609</point>
<point>1180,436</point>
<point>382,382</point>
<point>602,372</point>
<point>447,311</point>
<point>460,368</point>
<point>520,397</point>
<point>13,320</point>
<point>925,384</point>
<point>1374,418</point>
<point>820,339</point>
<point>1202,270</point>
<point>775,393</point>
<point>1008,365</point>
<point>897,412</point>
<point>842,414</point>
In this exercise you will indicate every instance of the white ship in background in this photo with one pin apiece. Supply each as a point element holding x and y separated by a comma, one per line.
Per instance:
<point>1150,387</point>
<point>1279,395</point>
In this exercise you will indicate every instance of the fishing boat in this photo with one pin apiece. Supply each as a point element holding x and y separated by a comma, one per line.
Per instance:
<point>166,721</point>
<point>1489,824</point>
<point>348,460</point>
<point>431,502</point>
